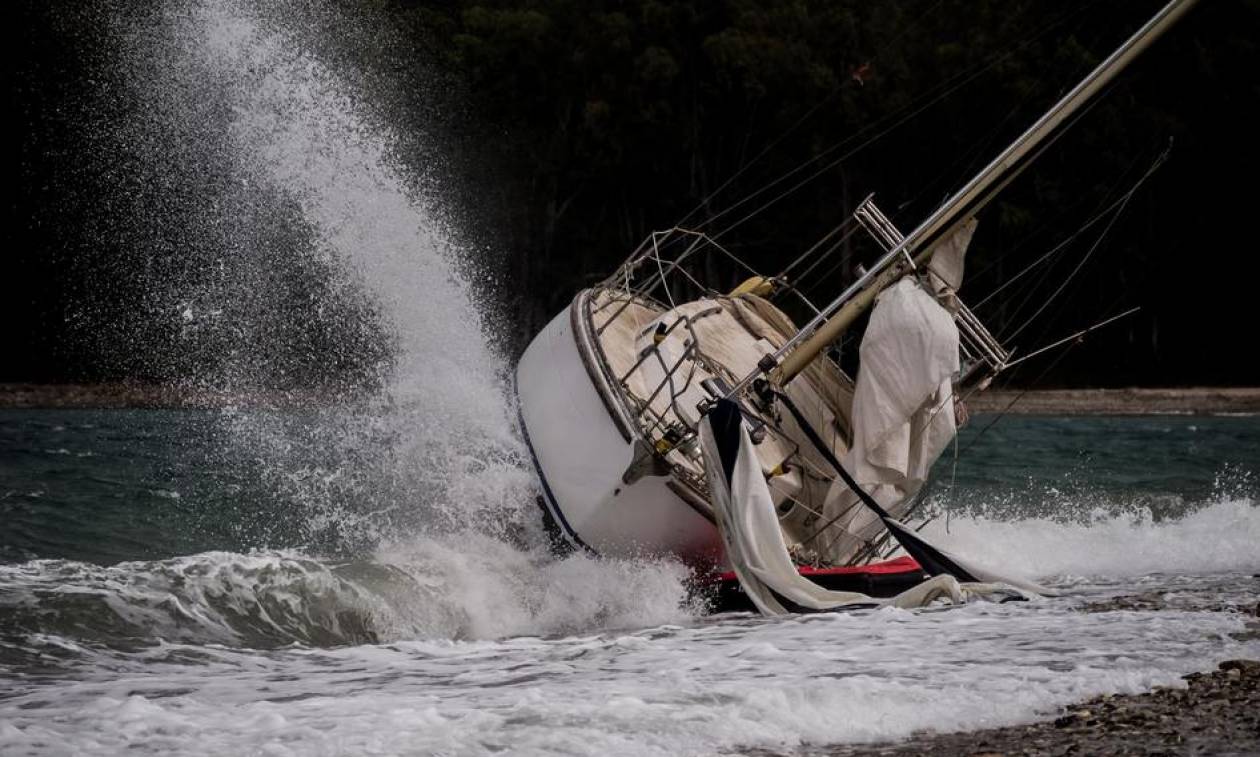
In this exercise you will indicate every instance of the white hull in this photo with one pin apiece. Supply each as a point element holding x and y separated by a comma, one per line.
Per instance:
<point>582,444</point>
<point>613,414</point>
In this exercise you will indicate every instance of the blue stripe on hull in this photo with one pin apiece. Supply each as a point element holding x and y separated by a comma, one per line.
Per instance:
<point>549,498</point>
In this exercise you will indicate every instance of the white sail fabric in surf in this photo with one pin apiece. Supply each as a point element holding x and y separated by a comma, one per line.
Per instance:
<point>754,543</point>
<point>903,412</point>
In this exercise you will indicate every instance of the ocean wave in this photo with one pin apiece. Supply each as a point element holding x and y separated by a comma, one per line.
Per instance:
<point>1216,537</point>
<point>468,587</point>
<point>731,686</point>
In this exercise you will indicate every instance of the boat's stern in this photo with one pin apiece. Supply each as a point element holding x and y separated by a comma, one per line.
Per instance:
<point>583,445</point>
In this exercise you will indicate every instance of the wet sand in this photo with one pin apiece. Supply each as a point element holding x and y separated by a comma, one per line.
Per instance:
<point>1132,401</point>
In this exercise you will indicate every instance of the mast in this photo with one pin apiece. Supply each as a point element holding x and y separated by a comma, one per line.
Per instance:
<point>917,248</point>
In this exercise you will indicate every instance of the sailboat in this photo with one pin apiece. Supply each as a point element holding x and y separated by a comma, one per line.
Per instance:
<point>666,417</point>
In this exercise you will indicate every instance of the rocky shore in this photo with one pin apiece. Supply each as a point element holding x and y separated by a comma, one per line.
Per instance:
<point>1132,401</point>
<point>1218,713</point>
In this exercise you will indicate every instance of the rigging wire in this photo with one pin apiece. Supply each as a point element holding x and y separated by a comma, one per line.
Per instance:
<point>1005,410</point>
<point>971,156</point>
<point>825,101</point>
<point>827,253</point>
<point>1074,336</point>
<point>822,240</point>
<point>975,151</point>
<point>1045,226</point>
<point>1080,265</point>
<point>1124,198</point>
<point>831,164</point>
<point>932,97</point>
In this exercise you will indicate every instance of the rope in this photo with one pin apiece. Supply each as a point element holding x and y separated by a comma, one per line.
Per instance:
<point>828,455</point>
<point>931,559</point>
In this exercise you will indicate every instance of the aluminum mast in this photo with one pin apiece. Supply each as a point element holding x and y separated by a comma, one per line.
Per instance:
<point>916,248</point>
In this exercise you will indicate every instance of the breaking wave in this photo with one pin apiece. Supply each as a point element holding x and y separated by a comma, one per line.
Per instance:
<point>1219,536</point>
<point>480,587</point>
<point>415,502</point>
<point>397,504</point>
<point>425,589</point>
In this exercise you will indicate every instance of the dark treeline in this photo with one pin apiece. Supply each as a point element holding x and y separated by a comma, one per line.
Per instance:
<point>609,120</point>
<point>572,129</point>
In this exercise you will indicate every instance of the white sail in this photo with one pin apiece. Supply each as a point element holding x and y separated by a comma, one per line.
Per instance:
<point>754,543</point>
<point>616,388</point>
<point>903,411</point>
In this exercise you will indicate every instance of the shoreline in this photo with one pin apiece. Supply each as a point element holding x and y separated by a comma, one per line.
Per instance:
<point>1217,713</point>
<point>1085,402</point>
<point>1127,401</point>
<point>140,396</point>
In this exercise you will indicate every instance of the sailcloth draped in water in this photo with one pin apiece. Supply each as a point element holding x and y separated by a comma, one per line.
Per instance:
<point>754,542</point>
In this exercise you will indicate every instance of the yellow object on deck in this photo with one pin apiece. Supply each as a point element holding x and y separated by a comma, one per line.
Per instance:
<point>758,285</point>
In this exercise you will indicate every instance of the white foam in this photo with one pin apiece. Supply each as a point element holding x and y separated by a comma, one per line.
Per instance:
<point>430,465</point>
<point>436,446</point>
<point>730,685</point>
<point>1221,536</point>
<point>465,671</point>
<point>476,587</point>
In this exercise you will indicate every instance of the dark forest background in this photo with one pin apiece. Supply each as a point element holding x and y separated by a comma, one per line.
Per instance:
<point>571,129</point>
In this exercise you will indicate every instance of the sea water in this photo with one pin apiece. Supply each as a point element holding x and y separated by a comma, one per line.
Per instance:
<point>155,598</point>
<point>363,571</point>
